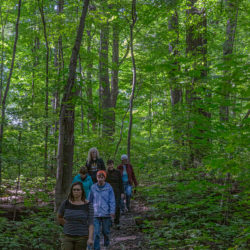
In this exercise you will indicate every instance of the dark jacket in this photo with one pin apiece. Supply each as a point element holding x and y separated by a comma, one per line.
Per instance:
<point>115,180</point>
<point>94,167</point>
<point>131,174</point>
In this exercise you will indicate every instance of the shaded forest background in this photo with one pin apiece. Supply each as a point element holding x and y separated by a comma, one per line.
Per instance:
<point>164,81</point>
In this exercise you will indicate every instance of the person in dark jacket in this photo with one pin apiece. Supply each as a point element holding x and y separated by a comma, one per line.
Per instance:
<point>128,179</point>
<point>94,163</point>
<point>114,178</point>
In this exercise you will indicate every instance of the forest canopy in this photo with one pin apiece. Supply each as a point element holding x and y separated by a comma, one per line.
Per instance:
<point>164,81</point>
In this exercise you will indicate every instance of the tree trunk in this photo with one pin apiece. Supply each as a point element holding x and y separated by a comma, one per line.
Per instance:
<point>105,96</point>
<point>91,112</point>
<point>232,7</point>
<point>81,96</point>
<point>2,52</point>
<point>35,63</point>
<point>196,47</point>
<point>59,65</point>
<point>46,108</point>
<point>175,90</point>
<point>7,87</point>
<point>66,122</point>
<point>134,18</point>
<point>115,71</point>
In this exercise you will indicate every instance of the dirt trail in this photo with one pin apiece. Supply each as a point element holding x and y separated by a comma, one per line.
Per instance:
<point>129,237</point>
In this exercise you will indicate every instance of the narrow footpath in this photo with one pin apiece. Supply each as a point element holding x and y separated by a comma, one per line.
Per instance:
<point>129,237</point>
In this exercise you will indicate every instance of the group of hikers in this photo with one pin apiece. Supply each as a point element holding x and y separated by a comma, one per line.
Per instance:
<point>95,201</point>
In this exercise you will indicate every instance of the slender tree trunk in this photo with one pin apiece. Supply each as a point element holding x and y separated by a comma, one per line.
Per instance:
<point>175,91</point>
<point>59,64</point>
<point>105,96</point>
<point>3,22</point>
<point>196,48</point>
<point>7,87</point>
<point>35,63</point>
<point>46,108</point>
<point>66,122</point>
<point>232,7</point>
<point>134,18</point>
<point>91,112</point>
<point>115,71</point>
<point>150,117</point>
<point>81,95</point>
<point>18,184</point>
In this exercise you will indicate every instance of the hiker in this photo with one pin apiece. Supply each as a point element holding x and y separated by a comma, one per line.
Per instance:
<point>85,179</point>
<point>94,163</point>
<point>128,178</point>
<point>115,180</point>
<point>103,199</point>
<point>76,216</point>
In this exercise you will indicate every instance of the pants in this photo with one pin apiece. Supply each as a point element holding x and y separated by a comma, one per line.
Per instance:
<point>128,193</point>
<point>73,242</point>
<point>104,223</point>
<point>117,208</point>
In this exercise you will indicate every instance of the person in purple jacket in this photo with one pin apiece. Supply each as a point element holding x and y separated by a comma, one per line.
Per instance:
<point>103,199</point>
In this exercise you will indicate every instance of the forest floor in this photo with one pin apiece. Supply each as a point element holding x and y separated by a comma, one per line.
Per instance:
<point>129,236</point>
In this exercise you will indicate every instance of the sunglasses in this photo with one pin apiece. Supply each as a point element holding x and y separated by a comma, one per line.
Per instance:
<point>76,189</point>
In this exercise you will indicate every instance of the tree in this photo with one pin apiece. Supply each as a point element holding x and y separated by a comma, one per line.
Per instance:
<point>232,8</point>
<point>196,48</point>
<point>134,18</point>
<point>46,106</point>
<point>105,96</point>
<point>175,91</point>
<point>3,108</point>
<point>66,121</point>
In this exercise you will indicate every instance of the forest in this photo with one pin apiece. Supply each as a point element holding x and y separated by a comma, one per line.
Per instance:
<point>164,81</point>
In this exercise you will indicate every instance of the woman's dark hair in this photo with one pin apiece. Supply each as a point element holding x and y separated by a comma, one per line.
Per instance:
<point>83,170</point>
<point>110,162</point>
<point>71,196</point>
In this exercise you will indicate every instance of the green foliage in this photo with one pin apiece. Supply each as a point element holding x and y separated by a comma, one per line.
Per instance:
<point>200,209</point>
<point>194,213</point>
<point>34,230</point>
<point>37,231</point>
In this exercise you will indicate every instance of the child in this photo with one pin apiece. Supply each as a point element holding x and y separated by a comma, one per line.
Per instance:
<point>85,179</point>
<point>115,180</point>
<point>103,199</point>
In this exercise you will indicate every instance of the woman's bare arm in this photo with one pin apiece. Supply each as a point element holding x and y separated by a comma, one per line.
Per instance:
<point>60,219</point>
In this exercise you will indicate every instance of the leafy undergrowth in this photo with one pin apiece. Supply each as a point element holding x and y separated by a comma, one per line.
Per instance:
<point>37,231</point>
<point>196,213</point>
<point>33,230</point>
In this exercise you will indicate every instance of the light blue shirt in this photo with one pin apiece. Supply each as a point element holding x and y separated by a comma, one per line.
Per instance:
<point>124,174</point>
